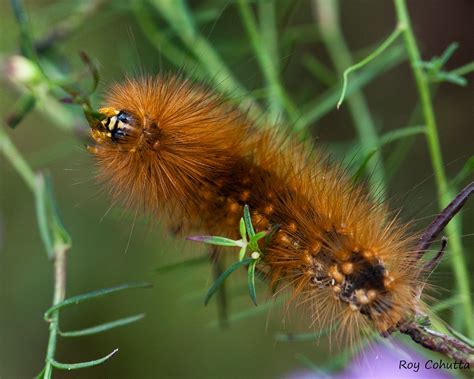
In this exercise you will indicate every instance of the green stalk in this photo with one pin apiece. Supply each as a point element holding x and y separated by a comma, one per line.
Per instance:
<point>8,149</point>
<point>264,43</point>
<point>327,14</point>
<point>58,297</point>
<point>178,16</point>
<point>444,193</point>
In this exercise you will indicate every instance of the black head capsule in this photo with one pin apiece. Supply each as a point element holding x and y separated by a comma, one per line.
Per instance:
<point>118,124</point>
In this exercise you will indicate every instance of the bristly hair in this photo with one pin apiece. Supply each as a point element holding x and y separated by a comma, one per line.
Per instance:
<point>173,148</point>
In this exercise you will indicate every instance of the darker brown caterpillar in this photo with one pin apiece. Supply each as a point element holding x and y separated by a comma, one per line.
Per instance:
<point>169,147</point>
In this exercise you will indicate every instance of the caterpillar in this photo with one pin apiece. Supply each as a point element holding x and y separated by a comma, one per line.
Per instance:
<point>176,150</point>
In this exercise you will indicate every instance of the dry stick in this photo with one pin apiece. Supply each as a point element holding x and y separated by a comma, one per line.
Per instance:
<point>446,345</point>
<point>433,263</point>
<point>430,339</point>
<point>439,223</point>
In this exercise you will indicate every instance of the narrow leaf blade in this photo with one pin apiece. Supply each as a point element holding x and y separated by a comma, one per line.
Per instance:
<point>103,327</point>
<point>215,240</point>
<point>20,110</point>
<point>93,295</point>
<point>181,265</point>
<point>218,282</point>
<point>243,229</point>
<point>251,281</point>
<point>76,366</point>
<point>248,221</point>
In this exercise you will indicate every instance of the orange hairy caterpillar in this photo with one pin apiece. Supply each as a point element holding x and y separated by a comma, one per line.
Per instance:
<point>169,147</point>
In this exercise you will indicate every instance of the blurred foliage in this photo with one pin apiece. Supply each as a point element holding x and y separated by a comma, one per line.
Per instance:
<point>280,59</point>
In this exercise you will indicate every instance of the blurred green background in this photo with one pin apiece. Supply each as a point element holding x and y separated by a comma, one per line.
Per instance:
<point>179,336</point>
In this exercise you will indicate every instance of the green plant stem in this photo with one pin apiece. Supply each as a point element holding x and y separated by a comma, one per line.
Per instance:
<point>444,193</point>
<point>59,295</point>
<point>379,50</point>
<point>23,169</point>
<point>327,14</point>
<point>264,43</point>
<point>178,16</point>
<point>9,150</point>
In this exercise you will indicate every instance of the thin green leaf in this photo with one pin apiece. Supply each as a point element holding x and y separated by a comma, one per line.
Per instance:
<point>248,221</point>
<point>103,327</point>
<point>397,134</point>
<point>52,231</point>
<point>184,264</point>
<point>385,139</point>
<point>76,366</point>
<point>26,39</point>
<point>449,77</point>
<point>379,50</point>
<point>179,17</point>
<point>302,337</point>
<point>434,66</point>
<point>41,373</point>
<point>311,365</point>
<point>93,295</point>
<point>363,166</point>
<point>58,230</point>
<point>260,235</point>
<point>242,252</point>
<point>447,54</point>
<point>319,70</point>
<point>251,281</point>
<point>264,42</point>
<point>218,282</point>
<point>338,361</point>
<point>466,170</point>
<point>464,70</point>
<point>243,229</point>
<point>11,153</point>
<point>93,69</point>
<point>325,103</point>
<point>215,240</point>
<point>41,203</point>
<point>252,311</point>
<point>446,304</point>
<point>20,110</point>
<point>468,341</point>
<point>253,243</point>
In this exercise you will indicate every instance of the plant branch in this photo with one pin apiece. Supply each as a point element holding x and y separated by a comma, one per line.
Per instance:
<point>58,297</point>
<point>444,193</point>
<point>441,343</point>
<point>327,15</point>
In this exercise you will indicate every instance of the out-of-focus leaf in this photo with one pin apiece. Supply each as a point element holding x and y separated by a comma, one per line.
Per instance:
<point>251,281</point>
<point>102,327</point>
<point>93,295</point>
<point>76,366</point>
<point>218,282</point>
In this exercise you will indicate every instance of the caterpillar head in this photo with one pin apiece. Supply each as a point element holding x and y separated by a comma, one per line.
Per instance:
<point>115,127</point>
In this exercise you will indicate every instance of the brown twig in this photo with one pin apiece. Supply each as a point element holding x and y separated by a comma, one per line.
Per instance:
<point>440,222</point>
<point>438,342</point>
